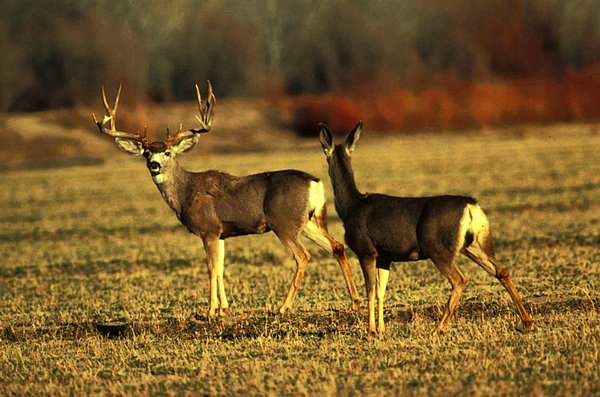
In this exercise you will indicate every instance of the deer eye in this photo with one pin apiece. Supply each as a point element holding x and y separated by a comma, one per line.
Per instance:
<point>167,154</point>
<point>146,154</point>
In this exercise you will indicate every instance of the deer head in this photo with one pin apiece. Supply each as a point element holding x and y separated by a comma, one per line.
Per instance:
<point>159,154</point>
<point>340,168</point>
<point>347,147</point>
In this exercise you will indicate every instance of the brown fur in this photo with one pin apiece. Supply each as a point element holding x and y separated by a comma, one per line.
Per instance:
<point>382,229</point>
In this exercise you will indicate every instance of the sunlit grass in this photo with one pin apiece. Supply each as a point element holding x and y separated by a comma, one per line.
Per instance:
<point>94,244</point>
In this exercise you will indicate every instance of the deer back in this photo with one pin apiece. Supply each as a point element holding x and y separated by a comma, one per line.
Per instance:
<point>218,203</point>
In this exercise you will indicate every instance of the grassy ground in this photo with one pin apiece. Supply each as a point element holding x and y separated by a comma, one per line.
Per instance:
<point>97,244</point>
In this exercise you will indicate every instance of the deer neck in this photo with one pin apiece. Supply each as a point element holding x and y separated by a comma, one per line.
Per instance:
<point>172,183</point>
<point>345,191</point>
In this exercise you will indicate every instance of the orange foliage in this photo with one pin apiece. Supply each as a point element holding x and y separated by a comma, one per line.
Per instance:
<point>454,104</point>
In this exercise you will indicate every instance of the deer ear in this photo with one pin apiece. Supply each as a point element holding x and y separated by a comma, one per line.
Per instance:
<point>130,146</point>
<point>185,144</point>
<point>352,137</point>
<point>326,139</point>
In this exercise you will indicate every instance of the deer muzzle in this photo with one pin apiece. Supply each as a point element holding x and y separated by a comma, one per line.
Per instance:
<point>154,167</point>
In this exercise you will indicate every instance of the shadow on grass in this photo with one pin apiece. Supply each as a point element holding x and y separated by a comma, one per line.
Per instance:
<point>40,235</point>
<point>532,190</point>
<point>314,324</point>
<point>471,310</point>
<point>90,268</point>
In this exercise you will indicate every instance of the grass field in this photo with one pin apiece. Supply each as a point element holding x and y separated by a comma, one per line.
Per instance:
<point>85,245</point>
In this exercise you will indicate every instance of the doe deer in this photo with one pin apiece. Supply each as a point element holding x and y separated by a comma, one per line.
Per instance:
<point>381,229</point>
<point>215,205</point>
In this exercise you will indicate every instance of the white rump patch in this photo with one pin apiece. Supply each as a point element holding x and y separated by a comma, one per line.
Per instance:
<point>479,224</point>
<point>463,227</point>
<point>316,197</point>
<point>473,220</point>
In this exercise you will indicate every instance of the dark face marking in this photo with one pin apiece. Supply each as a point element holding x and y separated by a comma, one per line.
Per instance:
<point>157,147</point>
<point>154,167</point>
<point>156,154</point>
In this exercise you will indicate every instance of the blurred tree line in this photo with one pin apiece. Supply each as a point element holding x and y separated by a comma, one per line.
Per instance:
<point>57,52</point>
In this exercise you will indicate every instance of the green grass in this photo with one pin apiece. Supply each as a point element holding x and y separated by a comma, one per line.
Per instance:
<point>94,244</point>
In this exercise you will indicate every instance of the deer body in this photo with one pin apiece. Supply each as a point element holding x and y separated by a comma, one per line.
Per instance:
<point>215,205</point>
<point>381,229</point>
<point>214,202</point>
<point>370,224</point>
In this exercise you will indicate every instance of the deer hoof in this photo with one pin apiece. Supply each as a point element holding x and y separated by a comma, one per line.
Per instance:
<point>525,327</point>
<point>371,334</point>
<point>224,312</point>
<point>283,310</point>
<point>439,331</point>
<point>356,305</point>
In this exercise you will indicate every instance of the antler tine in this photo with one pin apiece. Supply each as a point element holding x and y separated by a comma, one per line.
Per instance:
<point>201,109</point>
<point>171,139</point>
<point>206,110</point>
<point>210,103</point>
<point>199,98</point>
<point>117,98</point>
<point>105,101</point>
<point>111,111</point>
<point>110,117</point>
<point>204,119</point>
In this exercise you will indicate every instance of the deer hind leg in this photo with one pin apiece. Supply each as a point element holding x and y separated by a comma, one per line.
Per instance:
<point>445,264</point>
<point>302,257</point>
<point>489,263</point>
<point>368,266</point>
<point>223,303</point>
<point>317,232</point>
<point>211,245</point>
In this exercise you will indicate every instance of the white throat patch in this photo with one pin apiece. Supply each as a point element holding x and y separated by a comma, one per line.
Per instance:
<point>160,178</point>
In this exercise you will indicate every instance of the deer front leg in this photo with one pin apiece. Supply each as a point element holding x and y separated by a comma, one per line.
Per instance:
<point>369,270</point>
<point>382,280</point>
<point>223,303</point>
<point>211,245</point>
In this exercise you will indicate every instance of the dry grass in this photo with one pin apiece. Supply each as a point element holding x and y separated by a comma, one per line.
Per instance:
<point>93,244</point>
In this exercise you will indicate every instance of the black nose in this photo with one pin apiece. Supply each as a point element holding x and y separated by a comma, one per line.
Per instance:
<point>154,164</point>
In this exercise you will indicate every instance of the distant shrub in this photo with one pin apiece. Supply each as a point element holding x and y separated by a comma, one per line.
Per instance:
<point>454,104</point>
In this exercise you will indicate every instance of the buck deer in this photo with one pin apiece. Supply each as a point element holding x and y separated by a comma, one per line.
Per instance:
<point>215,205</point>
<point>381,229</point>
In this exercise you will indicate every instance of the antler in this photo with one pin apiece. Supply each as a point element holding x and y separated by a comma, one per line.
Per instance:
<point>110,117</point>
<point>171,139</point>
<point>207,112</point>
